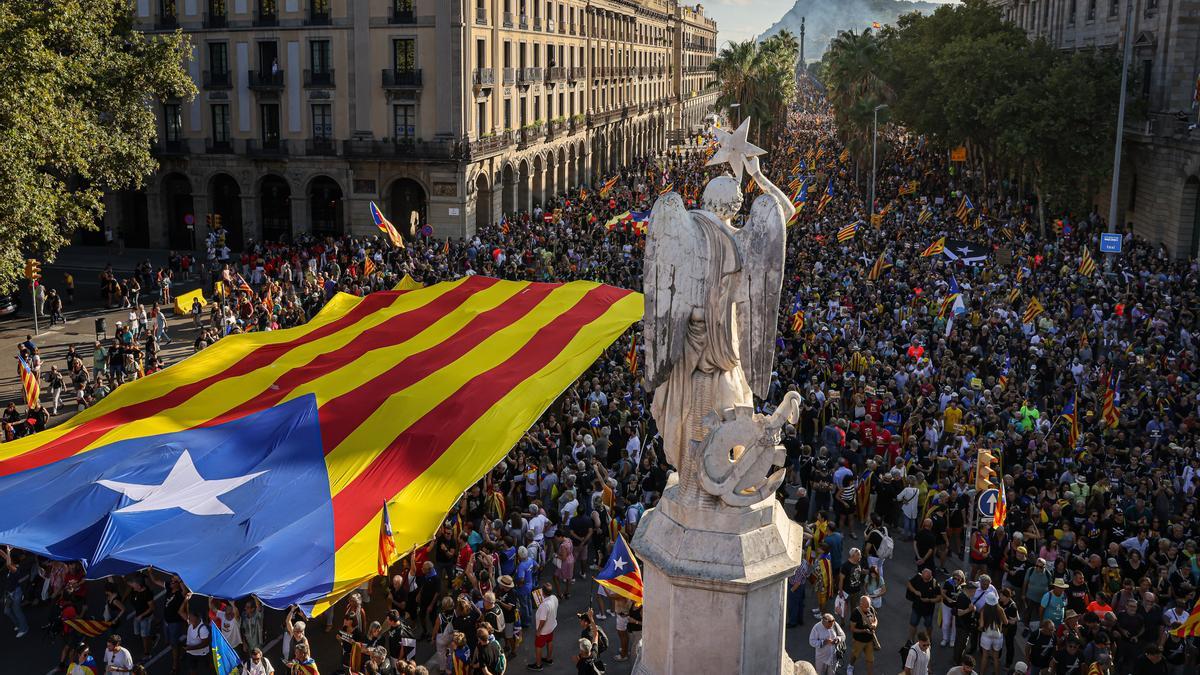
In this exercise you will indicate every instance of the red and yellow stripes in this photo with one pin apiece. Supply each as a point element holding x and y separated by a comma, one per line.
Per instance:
<point>419,393</point>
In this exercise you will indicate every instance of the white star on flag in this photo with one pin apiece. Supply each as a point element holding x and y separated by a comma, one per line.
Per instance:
<point>619,563</point>
<point>184,488</point>
<point>735,148</point>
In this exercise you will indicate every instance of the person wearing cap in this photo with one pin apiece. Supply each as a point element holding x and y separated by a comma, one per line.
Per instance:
<point>1054,602</point>
<point>1037,583</point>
<point>992,623</point>
<point>827,638</point>
<point>585,659</point>
<point>506,599</point>
<point>1019,668</point>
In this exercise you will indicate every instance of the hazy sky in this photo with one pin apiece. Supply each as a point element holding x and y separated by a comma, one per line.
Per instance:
<point>743,19</point>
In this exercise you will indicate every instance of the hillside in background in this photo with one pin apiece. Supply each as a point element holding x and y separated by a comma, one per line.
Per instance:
<point>824,18</point>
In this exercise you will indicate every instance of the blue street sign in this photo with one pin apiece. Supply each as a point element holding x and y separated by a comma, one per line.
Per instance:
<point>1110,242</point>
<point>987,503</point>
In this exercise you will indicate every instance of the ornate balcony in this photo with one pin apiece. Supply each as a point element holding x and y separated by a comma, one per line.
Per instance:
<point>266,80</point>
<point>490,145</point>
<point>221,79</point>
<point>318,78</point>
<point>402,79</point>
<point>320,147</point>
<point>484,77</point>
<point>263,148</point>
<point>401,148</point>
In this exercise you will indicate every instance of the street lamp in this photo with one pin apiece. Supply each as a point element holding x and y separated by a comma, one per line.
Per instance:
<point>874,152</point>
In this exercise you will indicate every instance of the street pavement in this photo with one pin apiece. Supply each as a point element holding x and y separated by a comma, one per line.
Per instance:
<point>37,653</point>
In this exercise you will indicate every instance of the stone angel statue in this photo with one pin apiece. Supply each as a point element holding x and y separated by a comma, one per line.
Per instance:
<point>712,309</point>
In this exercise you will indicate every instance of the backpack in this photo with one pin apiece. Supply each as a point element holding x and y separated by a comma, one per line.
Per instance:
<point>887,547</point>
<point>601,640</point>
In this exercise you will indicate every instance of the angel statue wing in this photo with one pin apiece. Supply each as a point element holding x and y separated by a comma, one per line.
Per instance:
<point>674,270</point>
<point>762,241</point>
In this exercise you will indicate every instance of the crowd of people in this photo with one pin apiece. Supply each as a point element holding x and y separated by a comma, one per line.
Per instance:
<point>908,362</point>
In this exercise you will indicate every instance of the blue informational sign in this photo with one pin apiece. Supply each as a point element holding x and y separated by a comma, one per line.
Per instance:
<point>987,503</point>
<point>1110,243</point>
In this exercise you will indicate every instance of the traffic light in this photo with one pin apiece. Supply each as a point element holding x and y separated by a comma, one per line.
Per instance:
<point>33,269</point>
<point>986,474</point>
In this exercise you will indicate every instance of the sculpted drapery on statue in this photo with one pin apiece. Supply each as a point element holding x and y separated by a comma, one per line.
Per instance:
<point>712,310</point>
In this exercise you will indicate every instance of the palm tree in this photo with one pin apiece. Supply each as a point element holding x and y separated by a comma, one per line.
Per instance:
<point>758,80</point>
<point>856,86</point>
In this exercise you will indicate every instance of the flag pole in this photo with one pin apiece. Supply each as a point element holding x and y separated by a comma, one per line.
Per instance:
<point>1116,173</point>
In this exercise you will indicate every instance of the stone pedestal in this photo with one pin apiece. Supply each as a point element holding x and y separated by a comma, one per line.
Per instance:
<point>715,587</point>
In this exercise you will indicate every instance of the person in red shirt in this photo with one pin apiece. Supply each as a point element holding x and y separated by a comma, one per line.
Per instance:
<point>464,552</point>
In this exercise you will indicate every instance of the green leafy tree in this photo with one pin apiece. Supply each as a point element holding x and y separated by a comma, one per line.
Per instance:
<point>964,76</point>
<point>76,85</point>
<point>758,80</point>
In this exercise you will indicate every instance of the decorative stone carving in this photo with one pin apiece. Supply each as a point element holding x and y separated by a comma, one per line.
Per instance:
<point>718,541</point>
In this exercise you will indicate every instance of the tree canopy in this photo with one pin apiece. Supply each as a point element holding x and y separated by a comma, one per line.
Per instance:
<point>962,76</point>
<point>758,80</point>
<point>76,85</point>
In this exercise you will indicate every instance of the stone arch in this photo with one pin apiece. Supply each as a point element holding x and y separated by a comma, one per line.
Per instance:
<point>572,174</point>
<point>508,189</point>
<point>524,182</point>
<point>407,205</point>
<point>179,210</point>
<point>561,186</point>
<point>275,207</point>
<point>538,176</point>
<point>225,200</point>
<point>326,206</point>
<point>483,202</point>
<point>1189,214</point>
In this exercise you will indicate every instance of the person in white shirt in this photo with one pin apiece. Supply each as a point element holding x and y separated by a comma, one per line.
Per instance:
<point>917,661</point>
<point>117,659</point>
<point>980,596</point>
<point>826,637</point>
<point>196,644</point>
<point>258,664</point>
<point>545,621</point>
<point>537,523</point>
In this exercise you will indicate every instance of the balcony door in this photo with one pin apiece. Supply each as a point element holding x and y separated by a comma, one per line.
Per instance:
<point>270,125</point>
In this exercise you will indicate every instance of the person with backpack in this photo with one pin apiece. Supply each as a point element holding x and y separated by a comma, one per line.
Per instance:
<point>879,546</point>
<point>585,663</point>
<point>589,629</point>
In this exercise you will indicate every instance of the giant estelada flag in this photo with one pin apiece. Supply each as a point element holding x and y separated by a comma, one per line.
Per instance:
<point>259,465</point>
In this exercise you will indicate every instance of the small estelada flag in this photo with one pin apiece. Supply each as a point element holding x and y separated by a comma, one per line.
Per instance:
<point>387,543</point>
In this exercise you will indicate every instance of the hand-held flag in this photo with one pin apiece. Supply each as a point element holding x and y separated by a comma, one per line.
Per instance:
<point>935,248</point>
<point>622,574</point>
<point>387,542</point>
<point>1191,626</point>
<point>29,382</point>
<point>386,226</point>
<point>225,658</point>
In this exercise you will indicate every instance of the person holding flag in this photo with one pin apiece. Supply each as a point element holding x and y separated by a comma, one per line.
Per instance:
<point>225,658</point>
<point>386,226</point>
<point>621,574</point>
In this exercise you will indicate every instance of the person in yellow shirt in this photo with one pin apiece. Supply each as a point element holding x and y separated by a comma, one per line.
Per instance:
<point>952,416</point>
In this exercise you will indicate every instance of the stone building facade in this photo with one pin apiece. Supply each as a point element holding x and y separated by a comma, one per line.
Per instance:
<point>446,112</point>
<point>1159,192</point>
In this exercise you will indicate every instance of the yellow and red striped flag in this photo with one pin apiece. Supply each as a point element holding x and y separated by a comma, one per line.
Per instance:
<point>1032,311</point>
<point>670,187</point>
<point>399,397</point>
<point>935,248</point>
<point>878,268</point>
<point>1190,626</point>
<point>1087,265</point>
<point>368,267</point>
<point>92,628</point>
<point>608,186</point>
<point>631,356</point>
<point>847,233</point>
<point>622,574</point>
<point>386,226</point>
<point>387,542</point>
<point>29,382</point>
